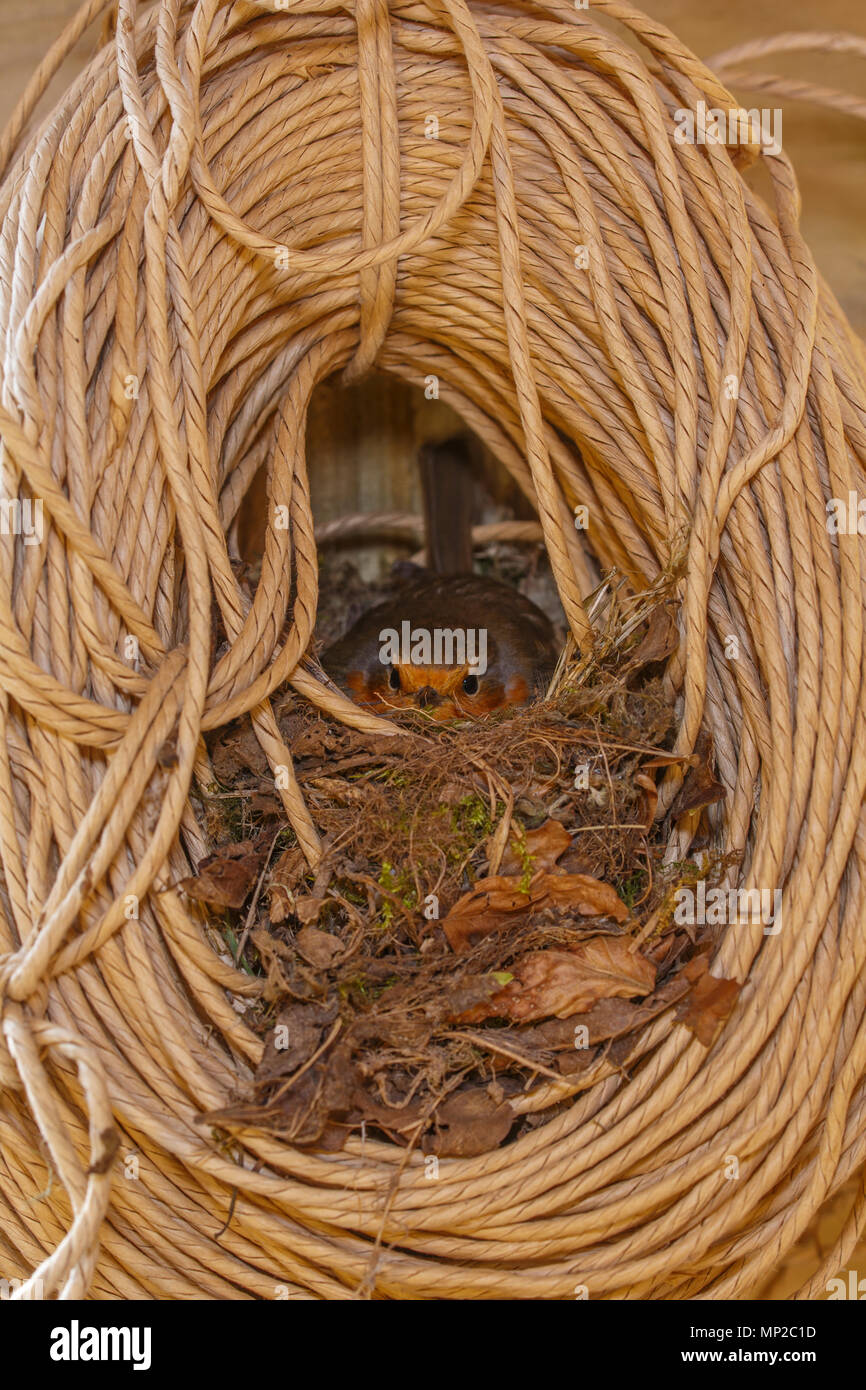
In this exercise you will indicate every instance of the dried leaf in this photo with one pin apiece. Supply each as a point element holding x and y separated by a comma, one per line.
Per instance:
<point>652,796</point>
<point>462,998</point>
<point>306,1108</point>
<point>709,1003</point>
<point>541,846</point>
<point>660,640</point>
<point>238,751</point>
<point>668,760</point>
<point>317,742</point>
<point>307,909</point>
<point>666,950</point>
<point>575,861</point>
<point>588,896</point>
<point>606,1020</point>
<point>285,876</point>
<point>225,879</point>
<point>495,904</point>
<point>320,948</point>
<point>298,1031</point>
<point>700,787</point>
<point>490,906</point>
<point>469,1123</point>
<point>561,983</point>
<point>400,1121</point>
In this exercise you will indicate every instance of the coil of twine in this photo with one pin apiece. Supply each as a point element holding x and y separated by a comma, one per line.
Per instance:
<point>234,201</point>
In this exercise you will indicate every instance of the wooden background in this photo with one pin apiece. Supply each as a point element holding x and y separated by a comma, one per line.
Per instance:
<point>362,442</point>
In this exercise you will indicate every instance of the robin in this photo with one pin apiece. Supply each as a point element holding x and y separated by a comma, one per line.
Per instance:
<point>455,644</point>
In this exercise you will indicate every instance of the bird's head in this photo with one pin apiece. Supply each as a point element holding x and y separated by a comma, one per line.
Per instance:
<point>442,692</point>
<point>456,648</point>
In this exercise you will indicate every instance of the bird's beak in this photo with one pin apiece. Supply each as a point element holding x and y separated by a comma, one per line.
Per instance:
<point>427,697</point>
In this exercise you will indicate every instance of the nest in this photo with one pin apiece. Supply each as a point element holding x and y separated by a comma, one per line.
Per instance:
<point>506,869</point>
<point>232,203</point>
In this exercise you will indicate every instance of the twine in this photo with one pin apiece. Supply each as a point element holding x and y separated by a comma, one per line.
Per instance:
<point>233,202</point>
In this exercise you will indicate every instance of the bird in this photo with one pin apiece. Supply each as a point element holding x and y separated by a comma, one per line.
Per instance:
<point>454,644</point>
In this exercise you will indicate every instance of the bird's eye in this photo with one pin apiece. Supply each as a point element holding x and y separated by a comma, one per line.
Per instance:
<point>470,685</point>
<point>394,678</point>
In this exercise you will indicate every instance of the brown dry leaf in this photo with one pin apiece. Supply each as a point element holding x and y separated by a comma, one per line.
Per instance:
<point>460,999</point>
<point>607,1020</point>
<point>491,905</point>
<point>308,908</point>
<point>401,1122</point>
<point>275,957</point>
<point>584,894</point>
<point>297,1033</point>
<point>317,741</point>
<point>543,846</point>
<point>666,950</point>
<point>709,1003</point>
<point>660,640</point>
<point>700,787</point>
<point>225,879</point>
<point>306,1108</point>
<point>469,1123</point>
<point>238,751</point>
<point>668,760</point>
<point>560,983</point>
<point>610,1017</point>
<point>575,861</point>
<point>285,876</point>
<point>320,948</point>
<point>494,903</point>
<point>647,784</point>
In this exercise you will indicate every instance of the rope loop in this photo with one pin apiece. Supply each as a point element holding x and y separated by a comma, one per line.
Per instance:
<point>234,202</point>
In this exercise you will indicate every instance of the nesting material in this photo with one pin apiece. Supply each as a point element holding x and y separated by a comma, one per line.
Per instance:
<point>506,872</point>
<point>231,203</point>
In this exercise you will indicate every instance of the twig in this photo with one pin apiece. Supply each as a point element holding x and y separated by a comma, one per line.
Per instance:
<point>481,1040</point>
<point>255,902</point>
<point>338,1023</point>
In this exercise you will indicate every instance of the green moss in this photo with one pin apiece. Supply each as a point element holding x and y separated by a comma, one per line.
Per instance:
<point>527,863</point>
<point>472,814</point>
<point>357,985</point>
<point>378,990</point>
<point>233,816</point>
<point>632,889</point>
<point>400,884</point>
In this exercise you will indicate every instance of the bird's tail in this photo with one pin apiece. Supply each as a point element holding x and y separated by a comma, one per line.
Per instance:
<point>447,494</point>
